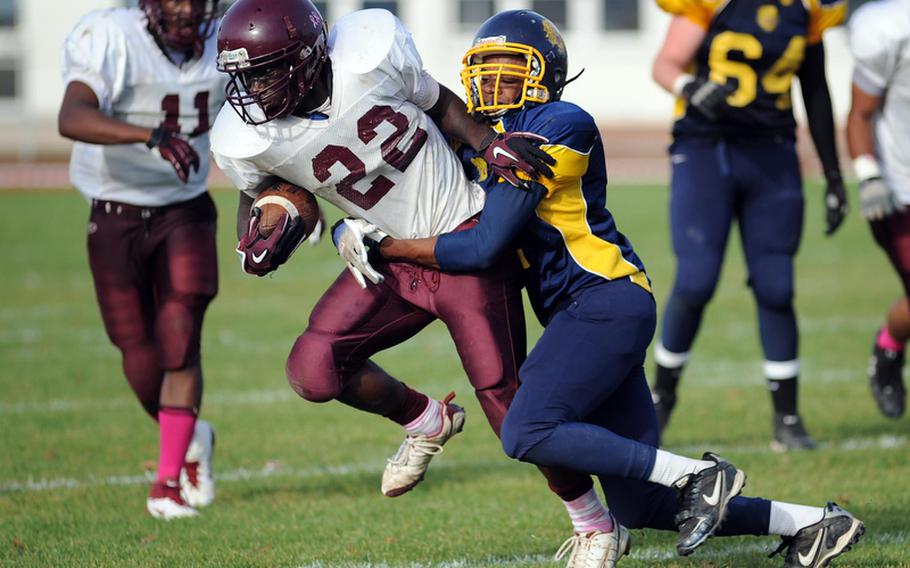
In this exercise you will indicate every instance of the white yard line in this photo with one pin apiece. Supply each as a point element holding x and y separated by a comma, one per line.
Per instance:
<point>270,470</point>
<point>717,549</point>
<point>720,374</point>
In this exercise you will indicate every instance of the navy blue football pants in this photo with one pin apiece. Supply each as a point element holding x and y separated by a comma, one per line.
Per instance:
<point>584,404</point>
<point>758,183</point>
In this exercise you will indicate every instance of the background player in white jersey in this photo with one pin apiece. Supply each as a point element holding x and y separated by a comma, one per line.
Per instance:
<point>878,134</point>
<point>141,84</point>
<point>352,117</point>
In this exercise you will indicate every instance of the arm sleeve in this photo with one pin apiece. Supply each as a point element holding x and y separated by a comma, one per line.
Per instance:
<point>819,112</point>
<point>875,51</point>
<point>420,87</point>
<point>90,56</point>
<point>505,212</point>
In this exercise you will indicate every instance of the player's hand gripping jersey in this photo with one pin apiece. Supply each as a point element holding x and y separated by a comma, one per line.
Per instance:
<point>375,154</point>
<point>880,42</point>
<point>754,48</point>
<point>113,53</point>
<point>571,241</point>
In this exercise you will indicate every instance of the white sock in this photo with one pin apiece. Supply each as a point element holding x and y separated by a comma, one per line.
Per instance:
<point>588,513</point>
<point>787,519</point>
<point>668,468</point>
<point>429,422</point>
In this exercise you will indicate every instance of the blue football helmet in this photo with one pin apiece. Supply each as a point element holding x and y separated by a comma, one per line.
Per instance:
<point>521,33</point>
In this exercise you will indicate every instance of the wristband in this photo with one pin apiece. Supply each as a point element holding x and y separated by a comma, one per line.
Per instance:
<point>680,83</point>
<point>866,167</point>
<point>155,137</point>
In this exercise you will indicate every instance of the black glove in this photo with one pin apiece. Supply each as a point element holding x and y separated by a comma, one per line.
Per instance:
<point>508,153</point>
<point>835,203</point>
<point>175,150</point>
<point>708,98</point>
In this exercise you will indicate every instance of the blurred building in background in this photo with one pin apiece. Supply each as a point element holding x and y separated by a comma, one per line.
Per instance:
<point>613,40</point>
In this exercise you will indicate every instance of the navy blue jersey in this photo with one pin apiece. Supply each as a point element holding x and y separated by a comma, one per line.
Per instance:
<point>754,47</point>
<point>571,242</point>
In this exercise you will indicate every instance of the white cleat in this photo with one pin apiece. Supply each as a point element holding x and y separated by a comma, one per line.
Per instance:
<point>596,549</point>
<point>407,467</point>
<point>164,502</point>
<point>197,483</point>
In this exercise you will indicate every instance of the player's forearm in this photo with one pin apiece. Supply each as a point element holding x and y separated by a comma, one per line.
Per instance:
<point>860,120</point>
<point>451,115</point>
<point>243,214</point>
<point>87,124</point>
<point>819,112</point>
<point>670,67</point>
<point>419,251</point>
<point>860,138</point>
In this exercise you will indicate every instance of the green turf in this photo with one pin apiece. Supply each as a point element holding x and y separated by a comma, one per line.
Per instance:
<point>300,482</point>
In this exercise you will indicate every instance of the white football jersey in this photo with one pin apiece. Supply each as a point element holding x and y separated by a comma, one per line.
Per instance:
<point>377,155</point>
<point>880,42</point>
<point>113,53</point>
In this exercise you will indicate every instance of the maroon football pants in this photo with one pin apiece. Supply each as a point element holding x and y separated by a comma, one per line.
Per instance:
<point>155,272</point>
<point>893,234</point>
<point>482,311</point>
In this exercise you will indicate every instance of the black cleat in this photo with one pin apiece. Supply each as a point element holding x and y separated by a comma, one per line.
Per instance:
<point>664,401</point>
<point>790,434</point>
<point>887,382</point>
<point>703,500</point>
<point>814,546</point>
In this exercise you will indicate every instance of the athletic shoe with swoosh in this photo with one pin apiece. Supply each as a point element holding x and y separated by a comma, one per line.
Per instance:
<point>814,546</point>
<point>703,500</point>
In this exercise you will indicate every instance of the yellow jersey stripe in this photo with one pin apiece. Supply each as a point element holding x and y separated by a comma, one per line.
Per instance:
<point>565,209</point>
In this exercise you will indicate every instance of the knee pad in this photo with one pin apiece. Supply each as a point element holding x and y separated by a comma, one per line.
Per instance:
<point>144,374</point>
<point>511,439</point>
<point>179,328</point>
<point>311,369</point>
<point>696,279</point>
<point>771,280</point>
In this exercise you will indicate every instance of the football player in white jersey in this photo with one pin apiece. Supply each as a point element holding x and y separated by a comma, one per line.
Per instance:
<point>141,86</point>
<point>353,117</point>
<point>878,134</point>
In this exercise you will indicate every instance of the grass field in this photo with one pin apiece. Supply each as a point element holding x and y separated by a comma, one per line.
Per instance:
<point>299,482</point>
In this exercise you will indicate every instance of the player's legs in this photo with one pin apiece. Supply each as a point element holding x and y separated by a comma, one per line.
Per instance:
<point>485,317</point>
<point>330,360</point>
<point>642,504</point>
<point>886,366</point>
<point>588,350</point>
<point>702,205</point>
<point>181,239</point>
<point>771,219</point>
<point>126,300</point>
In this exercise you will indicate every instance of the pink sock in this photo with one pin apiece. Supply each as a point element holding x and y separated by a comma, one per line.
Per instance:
<point>588,514</point>
<point>886,341</point>
<point>175,428</point>
<point>429,422</point>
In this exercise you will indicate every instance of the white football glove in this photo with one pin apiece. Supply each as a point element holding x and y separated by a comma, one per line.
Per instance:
<point>349,237</point>
<point>876,200</point>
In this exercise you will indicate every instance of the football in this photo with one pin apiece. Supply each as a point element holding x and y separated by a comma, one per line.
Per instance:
<point>280,197</point>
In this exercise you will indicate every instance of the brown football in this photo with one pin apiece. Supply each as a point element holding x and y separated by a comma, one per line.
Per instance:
<point>280,197</point>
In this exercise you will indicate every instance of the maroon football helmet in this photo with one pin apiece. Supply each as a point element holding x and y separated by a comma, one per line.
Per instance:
<point>273,51</point>
<point>185,29</point>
